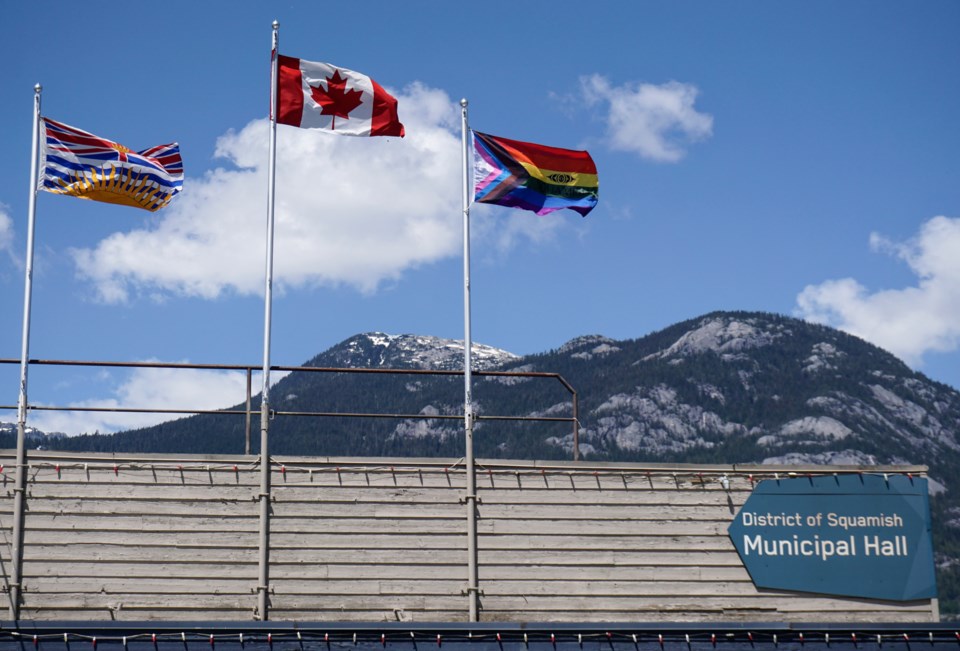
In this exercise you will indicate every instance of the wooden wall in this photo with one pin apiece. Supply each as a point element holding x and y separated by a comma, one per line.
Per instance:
<point>162,538</point>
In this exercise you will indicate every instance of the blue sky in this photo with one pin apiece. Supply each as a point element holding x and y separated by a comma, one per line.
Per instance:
<point>791,157</point>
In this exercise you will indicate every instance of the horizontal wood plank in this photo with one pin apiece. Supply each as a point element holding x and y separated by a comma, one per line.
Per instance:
<point>154,538</point>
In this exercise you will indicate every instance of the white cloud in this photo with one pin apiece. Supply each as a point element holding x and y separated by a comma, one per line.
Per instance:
<point>654,121</point>
<point>349,211</point>
<point>908,322</point>
<point>6,232</point>
<point>150,388</point>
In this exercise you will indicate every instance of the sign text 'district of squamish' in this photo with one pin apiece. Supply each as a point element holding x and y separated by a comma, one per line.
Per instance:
<point>858,535</point>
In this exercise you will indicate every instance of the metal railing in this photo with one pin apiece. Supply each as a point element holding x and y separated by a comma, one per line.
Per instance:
<point>573,419</point>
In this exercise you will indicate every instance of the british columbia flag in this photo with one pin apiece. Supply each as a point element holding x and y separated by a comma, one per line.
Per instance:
<point>80,164</point>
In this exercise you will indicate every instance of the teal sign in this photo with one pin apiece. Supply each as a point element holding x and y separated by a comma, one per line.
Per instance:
<point>851,535</point>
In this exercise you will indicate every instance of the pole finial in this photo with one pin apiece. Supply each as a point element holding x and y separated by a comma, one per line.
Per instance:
<point>463,102</point>
<point>37,88</point>
<point>276,24</point>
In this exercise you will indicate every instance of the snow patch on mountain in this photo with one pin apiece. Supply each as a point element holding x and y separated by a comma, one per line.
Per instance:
<point>380,350</point>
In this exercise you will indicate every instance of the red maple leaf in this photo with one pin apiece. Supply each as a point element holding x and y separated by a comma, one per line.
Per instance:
<point>336,100</point>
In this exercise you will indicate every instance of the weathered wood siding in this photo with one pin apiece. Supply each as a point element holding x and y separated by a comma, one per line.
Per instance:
<point>160,538</point>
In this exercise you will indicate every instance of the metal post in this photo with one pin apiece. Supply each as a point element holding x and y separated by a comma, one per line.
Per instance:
<point>473,587</point>
<point>576,426</point>
<point>263,577</point>
<point>20,485</point>
<point>247,428</point>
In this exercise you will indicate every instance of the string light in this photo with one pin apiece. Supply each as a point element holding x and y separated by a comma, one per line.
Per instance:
<point>678,478</point>
<point>750,635</point>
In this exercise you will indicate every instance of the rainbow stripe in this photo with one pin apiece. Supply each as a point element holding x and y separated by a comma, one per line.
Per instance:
<point>532,177</point>
<point>82,165</point>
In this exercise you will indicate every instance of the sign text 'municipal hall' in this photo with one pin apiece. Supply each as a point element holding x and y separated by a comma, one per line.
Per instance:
<point>855,535</point>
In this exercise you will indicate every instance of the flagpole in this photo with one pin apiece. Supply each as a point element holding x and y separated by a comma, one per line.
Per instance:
<point>21,470</point>
<point>263,581</point>
<point>473,588</point>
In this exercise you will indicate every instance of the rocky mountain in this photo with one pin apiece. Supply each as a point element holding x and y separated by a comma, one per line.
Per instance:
<point>759,387</point>
<point>728,387</point>
<point>379,350</point>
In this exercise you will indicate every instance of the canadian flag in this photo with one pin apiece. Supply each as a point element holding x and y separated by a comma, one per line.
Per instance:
<point>323,96</point>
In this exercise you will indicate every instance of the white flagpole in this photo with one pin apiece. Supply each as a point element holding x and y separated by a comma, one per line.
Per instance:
<point>263,582</point>
<point>21,475</point>
<point>473,588</point>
